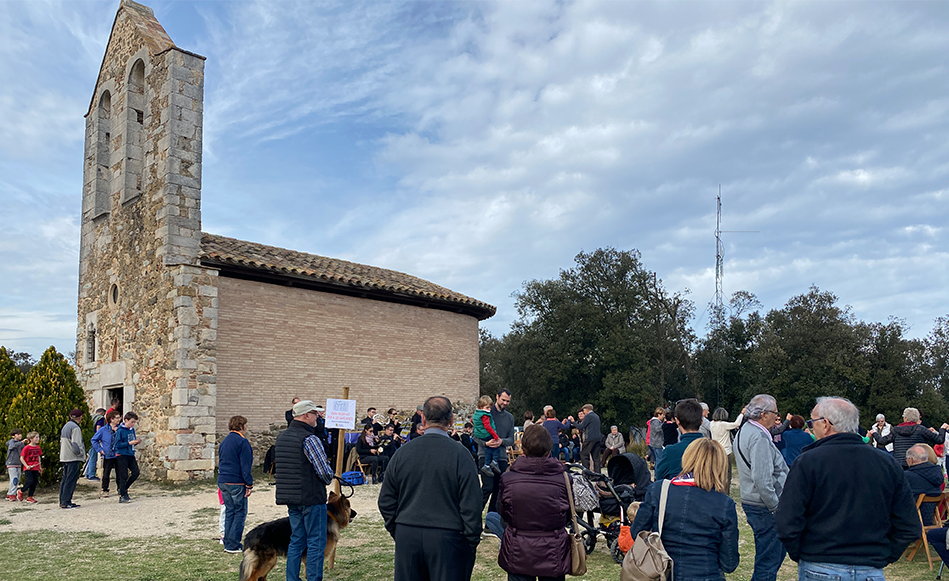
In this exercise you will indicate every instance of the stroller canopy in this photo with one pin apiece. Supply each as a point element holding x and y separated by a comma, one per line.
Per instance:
<point>630,469</point>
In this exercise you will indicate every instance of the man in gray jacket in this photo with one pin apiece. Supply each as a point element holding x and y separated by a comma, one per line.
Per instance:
<point>762,471</point>
<point>71,455</point>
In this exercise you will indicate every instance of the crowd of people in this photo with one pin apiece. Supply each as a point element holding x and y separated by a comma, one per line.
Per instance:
<point>820,490</point>
<point>113,443</point>
<point>840,501</point>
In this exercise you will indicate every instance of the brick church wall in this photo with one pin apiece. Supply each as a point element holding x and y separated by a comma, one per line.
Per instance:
<point>276,342</point>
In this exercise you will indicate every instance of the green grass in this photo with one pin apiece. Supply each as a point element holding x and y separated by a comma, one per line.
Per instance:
<point>48,555</point>
<point>365,554</point>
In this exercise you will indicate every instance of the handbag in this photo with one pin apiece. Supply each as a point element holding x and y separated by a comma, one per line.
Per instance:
<point>578,553</point>
<point>648,560</point>
<point>584,495</point>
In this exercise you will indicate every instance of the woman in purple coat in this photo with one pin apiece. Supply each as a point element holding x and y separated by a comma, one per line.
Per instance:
<point>534,506</point>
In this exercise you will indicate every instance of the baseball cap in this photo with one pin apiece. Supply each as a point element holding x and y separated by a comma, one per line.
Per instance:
<point>76,413</point>
<point>302,407</point>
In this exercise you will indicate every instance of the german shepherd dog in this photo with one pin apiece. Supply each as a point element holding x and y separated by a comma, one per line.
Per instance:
<point>266,542</point>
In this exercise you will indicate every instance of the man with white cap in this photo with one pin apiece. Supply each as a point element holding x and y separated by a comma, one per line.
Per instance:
<point>303,472</point>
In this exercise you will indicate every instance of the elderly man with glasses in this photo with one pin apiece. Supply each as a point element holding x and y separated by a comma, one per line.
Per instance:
<point>847,511</point>
<point>761,474</point>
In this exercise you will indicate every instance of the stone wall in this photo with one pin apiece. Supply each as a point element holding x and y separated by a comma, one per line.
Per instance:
<point>277,342</point>
<point>147,309</point>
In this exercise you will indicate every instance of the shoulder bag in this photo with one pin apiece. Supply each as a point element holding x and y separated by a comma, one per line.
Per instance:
<point>648,560</point>
<point>584,495</point>
<point>578,554</point>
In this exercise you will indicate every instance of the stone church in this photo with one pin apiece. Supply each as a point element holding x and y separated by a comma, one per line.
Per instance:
<point>188,328</point>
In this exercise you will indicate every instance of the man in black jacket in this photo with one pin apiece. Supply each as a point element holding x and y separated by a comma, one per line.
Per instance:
<point>431,502</point>
<point>592,437</point>
<point>846,510</point>
<point>302,475</point>
<point>924,477</point>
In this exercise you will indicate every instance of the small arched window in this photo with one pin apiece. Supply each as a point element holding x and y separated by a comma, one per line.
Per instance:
<point>103,134</point>
<point>134,126</point>
<point>90,355</point>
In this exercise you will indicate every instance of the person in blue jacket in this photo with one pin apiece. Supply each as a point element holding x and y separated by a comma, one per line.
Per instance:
<point>700,527</point>
<point>102,444</point>
<point>126,466</point>
<point>795,439</point>
<point>235,481</point>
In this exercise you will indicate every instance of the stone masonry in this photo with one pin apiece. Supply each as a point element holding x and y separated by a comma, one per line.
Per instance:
<point>147,308</point>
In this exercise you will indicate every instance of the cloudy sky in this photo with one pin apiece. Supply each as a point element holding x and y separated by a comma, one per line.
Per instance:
<point>479,145</point>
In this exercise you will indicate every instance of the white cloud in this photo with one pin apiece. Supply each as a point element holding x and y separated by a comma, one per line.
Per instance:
<point>481,145</point>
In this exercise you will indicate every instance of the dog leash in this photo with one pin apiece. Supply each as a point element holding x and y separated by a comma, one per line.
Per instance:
<point>342,483</point>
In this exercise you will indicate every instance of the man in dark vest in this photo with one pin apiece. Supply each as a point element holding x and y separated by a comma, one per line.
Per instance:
<point>302,475</point>
<point>431,502</point>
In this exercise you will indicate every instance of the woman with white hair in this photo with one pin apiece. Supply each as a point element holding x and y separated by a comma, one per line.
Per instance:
<point>883,428</point>
<point>908,434</point>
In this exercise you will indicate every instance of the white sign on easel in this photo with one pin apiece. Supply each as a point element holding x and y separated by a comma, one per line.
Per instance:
<point>341,413</point>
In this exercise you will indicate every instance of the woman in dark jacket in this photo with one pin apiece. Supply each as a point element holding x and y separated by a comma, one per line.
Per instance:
<point>908,434</point>
<point>533,503</point>
<point>700,529</point>
<point>368,451</point>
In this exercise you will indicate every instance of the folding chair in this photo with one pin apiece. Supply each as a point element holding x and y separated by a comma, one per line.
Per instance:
<point>514,451</point>
<point>353,462</point>
<point>364,468</point>
<point>938,523</point>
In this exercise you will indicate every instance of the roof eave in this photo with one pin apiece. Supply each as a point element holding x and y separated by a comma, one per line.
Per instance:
<point>269,276</point>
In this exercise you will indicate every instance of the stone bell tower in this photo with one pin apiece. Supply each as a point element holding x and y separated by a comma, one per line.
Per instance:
<point>147,308</point>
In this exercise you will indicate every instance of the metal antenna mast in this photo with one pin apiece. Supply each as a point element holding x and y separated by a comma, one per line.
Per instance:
<point>718,314</point>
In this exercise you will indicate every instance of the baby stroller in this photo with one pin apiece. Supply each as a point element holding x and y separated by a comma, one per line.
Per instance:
<point>616,499</point>
<point>631,478</point>
<point>632,470</point>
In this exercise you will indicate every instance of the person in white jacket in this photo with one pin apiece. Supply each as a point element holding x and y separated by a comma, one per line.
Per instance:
<point>721,432</point>
<point>883,428</point>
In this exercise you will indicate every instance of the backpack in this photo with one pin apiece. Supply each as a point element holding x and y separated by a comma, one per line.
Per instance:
<point>648,560</point>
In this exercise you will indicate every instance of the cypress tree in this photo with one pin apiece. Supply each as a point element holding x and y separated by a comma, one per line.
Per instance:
<point>11,380</point>
<point>43,404</point>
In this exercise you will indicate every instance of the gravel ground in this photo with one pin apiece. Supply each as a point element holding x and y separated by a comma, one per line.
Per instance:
<point>189,512</point>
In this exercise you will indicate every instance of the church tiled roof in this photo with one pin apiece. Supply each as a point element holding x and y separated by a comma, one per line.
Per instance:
<point>332,272</point>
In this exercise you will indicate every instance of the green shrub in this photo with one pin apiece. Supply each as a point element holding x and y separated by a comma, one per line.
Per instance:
<point>43,405</point>
<point>638,448</point>
<point>11,380</point>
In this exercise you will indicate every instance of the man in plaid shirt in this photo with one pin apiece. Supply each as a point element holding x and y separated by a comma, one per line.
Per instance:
<point>302,475</point>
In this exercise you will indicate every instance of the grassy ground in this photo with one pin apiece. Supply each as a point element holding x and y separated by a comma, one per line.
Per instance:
<point>365,554</point>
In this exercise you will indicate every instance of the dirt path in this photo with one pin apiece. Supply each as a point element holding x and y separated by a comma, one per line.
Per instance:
<point>191,512</point>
